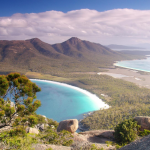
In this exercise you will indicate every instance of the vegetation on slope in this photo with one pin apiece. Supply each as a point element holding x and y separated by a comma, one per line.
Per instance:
<point>17,138</point>
<point>125,98</point>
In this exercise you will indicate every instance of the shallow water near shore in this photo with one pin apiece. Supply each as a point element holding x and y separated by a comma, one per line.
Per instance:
<point>140,65</point>
<point>62,101</point>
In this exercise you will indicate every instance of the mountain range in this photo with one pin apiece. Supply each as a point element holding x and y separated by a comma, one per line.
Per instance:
<point>71,55</point>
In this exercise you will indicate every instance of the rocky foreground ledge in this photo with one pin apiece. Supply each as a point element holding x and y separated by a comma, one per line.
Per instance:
<point>85,139</point>
<point>142,144</point>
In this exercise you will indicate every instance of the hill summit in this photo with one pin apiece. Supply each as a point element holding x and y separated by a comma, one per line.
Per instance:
<point>36,55</point>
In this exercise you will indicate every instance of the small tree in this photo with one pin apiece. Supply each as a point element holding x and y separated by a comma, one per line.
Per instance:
<point>19,89</point>
<point>126,132</point>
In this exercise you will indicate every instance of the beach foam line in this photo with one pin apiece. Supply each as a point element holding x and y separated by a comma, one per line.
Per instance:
<point>118,65</point>
<point>97,101</point>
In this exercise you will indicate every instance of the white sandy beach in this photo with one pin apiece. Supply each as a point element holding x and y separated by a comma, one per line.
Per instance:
<point>96,100</point>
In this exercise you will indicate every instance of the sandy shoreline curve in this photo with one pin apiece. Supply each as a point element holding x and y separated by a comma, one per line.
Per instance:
<point>117,65</point>
<point>97,101</point>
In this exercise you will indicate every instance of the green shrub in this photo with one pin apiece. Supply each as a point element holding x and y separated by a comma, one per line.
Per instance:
<point>14,140</point>
<point>18,131</point>
<point>126,132</point>
<point>144,133</point>
<point>52,122</point>
<point>113,144</point>
<point>51,136</point>
<point>41,119</point>
<point>109,143</point>
<point>33,120</point>
<point>118,146</point>
<point>93,147</point>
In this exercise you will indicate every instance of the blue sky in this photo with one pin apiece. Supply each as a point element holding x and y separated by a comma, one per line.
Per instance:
<point>124,22</point>
<point>9,7</point>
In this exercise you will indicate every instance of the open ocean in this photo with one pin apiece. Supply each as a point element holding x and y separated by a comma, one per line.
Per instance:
<point>141,65</point>
<point>62,101</point>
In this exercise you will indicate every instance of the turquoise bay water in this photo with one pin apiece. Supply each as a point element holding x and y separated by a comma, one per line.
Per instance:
<point>141,65</point>
<point>61,102</point>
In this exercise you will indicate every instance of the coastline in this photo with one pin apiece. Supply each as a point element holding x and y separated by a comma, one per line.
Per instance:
<point>99,102</point>
<point>131,75</point>
<point>116,64</point>
<point>95,99</point>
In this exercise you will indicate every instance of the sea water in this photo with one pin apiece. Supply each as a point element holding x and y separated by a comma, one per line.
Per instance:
<point>141,65</point>
<point>61,101</point>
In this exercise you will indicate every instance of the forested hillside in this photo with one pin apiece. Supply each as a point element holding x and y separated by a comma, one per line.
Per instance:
<point>126,99</point>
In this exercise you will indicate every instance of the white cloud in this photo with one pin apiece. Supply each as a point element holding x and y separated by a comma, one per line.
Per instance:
<point>119,26</point>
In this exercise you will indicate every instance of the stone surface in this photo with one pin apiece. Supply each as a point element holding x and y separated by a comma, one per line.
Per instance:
<point>46,146</point>
<point>109,134</point>
<point>141,144</point>
<point>6,128</point>
<point>143,121</point>
<point>42,126</point>
<point>97,137</point>
<point>32,130</point>
<point>70,125</point>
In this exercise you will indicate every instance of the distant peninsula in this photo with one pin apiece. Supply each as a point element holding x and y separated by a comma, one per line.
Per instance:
<point>123,47</point>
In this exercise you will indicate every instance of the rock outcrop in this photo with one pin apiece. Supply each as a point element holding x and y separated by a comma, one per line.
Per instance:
<point>70,125</point>
<point>32,130</point>
<point>42,126</point>
<point>97,137</point>
<point>109,134</point>
<point>6,128</point>
<point>141,144</point>
<point>143,121</point>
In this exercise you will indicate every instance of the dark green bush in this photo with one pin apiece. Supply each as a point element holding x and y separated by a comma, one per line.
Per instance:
<point>126,132</point>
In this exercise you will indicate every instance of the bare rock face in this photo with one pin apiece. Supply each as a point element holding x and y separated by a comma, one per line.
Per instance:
<point>143,121</point>
<point>32,130</point>
<point>141,144</point>
<point>70,125</point>
<point>41,127</point>
<point>97,137</point>
<point>108,134</point>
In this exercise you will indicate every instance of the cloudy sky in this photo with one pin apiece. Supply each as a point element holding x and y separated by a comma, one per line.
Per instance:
<point>106,22</point>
